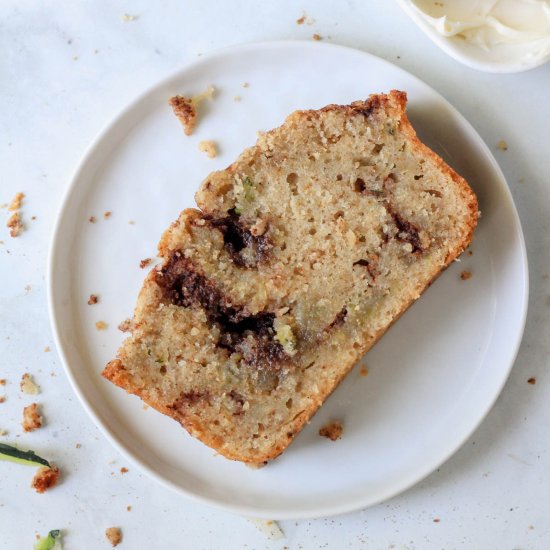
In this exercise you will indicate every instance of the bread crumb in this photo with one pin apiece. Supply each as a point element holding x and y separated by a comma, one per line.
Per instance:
<point>16,202</point>
<point>15,225</point>
<point>125,326</point>
<point>114,535</point>
<point>129,508</point>
<point>92,219</point>
<point>93,299</point>
<point>237,98</point>
<point>502,145</point>
<point>209,147</point>
<point>107,215</point>
<point>45,478</point>
<point>28,385</point>
<point>123,470</point>
<point>332,430</point>
<point>185,108</point>
<point>101,325</point>
<point>317,37</point>
<point>127,18</point>
<point>2,398</point>
<point>246,84</point>
<point>32,419</point>
<point>2,381</point>
<point>363,371</point>
<point>46,349</point>
<point>436,520</point>
<point>78,445</point>
<point>132,222</point>
<point>268,527</point>
<point>465,275</point>
<point>144,263</point>
<point>470,253</point>
<point>3,432</point>
<point>532,381</point>
<point>305,19</point>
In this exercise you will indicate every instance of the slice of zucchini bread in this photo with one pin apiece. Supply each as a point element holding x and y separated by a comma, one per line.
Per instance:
<point>303,253</point>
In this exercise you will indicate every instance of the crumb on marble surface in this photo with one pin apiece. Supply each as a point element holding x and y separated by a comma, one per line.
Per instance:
<point>114,535</point>
<point>15,224</point>
<point>28,386</point>
<point>32,419</point>
<point>45,478</point>
<point>16,202</point>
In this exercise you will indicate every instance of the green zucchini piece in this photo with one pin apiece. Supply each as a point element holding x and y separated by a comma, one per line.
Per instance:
<point>28,458</point>
<point>51,542</point>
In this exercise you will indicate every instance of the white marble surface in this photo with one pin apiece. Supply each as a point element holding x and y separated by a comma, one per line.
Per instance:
<point>65,71</point>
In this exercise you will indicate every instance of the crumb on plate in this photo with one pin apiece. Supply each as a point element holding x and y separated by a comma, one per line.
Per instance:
<point>185,108</point>
<point>101,325</point>
<point>532,381</point>
<point>208,147</point>
<point>125,326</point>
<point>332,430</point>
<point>93,299</point>
<point>144,263</point>
<point>502,145</point>
<point>465,275</point>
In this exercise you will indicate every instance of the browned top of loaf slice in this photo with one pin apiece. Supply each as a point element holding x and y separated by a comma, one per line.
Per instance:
<point>304,251</point>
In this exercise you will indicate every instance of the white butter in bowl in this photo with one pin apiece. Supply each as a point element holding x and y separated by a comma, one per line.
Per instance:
<point>501,36</point>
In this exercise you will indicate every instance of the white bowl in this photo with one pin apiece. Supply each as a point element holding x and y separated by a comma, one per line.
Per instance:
<point>502,58</point>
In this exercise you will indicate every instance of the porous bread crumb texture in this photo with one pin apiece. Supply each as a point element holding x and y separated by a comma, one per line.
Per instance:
<point>32,419</point>
<point>303,253</point>
<point>114,535</point>
<point>45,478</point>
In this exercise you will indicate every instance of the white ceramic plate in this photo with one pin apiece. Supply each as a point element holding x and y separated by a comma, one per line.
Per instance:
<point>431,379</point>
